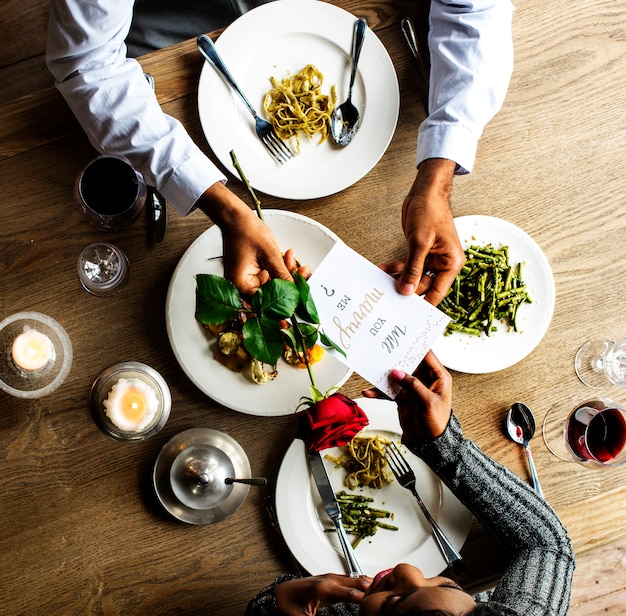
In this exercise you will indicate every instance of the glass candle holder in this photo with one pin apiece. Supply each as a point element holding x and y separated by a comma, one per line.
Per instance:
<point>35,355</point>
<point>130,401</point>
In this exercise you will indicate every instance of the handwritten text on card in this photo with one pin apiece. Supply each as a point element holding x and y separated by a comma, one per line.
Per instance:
<point>361,311</point>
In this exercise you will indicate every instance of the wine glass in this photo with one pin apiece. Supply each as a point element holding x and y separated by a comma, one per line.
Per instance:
<point>110,192</point>
<point>592,433</point>
<point>601,362</point>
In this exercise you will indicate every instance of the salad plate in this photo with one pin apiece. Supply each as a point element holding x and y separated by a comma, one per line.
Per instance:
<point>279,39</point>
<point>304,524</point>
<point>194,348</point>
<point>503,348</point>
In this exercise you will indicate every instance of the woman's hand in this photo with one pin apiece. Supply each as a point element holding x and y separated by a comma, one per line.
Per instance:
<point>303,596</point>
<point>251,253</point>
<point>425,402</point>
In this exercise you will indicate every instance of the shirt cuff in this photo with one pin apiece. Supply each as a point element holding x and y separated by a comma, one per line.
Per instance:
<point>189,181</point>
<point>449,141</point>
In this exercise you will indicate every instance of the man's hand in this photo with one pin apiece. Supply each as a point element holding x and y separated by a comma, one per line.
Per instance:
<point>435,254</point>
<point>425,402</point>
<point>303,597</point>
<point>251,253</point>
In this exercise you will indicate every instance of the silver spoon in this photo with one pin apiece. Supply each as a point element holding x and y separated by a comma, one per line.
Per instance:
<point>520,426</point>
<point>345,120</point>
<point>251,481</point>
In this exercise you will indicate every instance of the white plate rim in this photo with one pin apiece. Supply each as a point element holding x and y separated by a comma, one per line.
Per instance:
<point>296,509</point>
<point>481,355</point>
<point>321,170</point>
<point>231,389</point>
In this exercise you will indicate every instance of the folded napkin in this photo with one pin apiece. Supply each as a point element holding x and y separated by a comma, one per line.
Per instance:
<point>331,422</point>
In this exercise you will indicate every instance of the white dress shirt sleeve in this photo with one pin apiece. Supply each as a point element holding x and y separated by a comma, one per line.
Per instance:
<point>471,51</point>
<point>110,97</point>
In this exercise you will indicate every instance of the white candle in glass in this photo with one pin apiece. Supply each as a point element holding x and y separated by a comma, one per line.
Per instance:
<point>131,405</point>
<point>31,350</point>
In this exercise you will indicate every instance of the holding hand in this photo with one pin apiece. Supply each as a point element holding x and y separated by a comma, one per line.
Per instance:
<point>303,596</point>
<point>425,402</point>
<point>251,253</point>
<point>435,254</point>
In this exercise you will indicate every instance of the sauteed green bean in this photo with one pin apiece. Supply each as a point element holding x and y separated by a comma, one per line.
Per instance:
<point>360,518</point>
<point>488,289</point>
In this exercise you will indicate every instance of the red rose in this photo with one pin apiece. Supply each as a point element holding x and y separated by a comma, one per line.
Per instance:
<point>331,422</point>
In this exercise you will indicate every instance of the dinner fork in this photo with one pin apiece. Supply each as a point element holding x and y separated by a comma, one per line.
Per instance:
<point>274,145</point>
<point>406,478</point>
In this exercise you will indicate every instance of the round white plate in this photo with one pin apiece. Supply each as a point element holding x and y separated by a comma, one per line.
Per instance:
<point>194,349</point>
<point>482,354</point>
<point>278,39</point>
<point>302,519</point>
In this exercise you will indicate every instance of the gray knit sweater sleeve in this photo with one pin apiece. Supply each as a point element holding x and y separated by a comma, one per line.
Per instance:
<point>538,577</point>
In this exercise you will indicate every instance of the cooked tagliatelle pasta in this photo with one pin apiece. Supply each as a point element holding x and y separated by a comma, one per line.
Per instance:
<point>297,105</point>
<point>364,459</point>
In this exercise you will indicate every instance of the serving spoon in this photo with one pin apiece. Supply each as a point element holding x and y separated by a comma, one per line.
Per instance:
<point>520,426</point>
<point>345,119</point>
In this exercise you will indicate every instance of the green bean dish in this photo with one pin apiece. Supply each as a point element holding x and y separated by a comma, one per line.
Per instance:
<point>488,290</point>
<point>360,518</point>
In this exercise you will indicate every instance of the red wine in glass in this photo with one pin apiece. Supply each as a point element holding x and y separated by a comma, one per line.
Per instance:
<point>595,433</point>
<point>110,192</point>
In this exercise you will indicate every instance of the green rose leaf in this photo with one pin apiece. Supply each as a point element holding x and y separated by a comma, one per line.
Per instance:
<point>276,298</point>
<point>289,338</point>
<point>325,340</point>
<point>217,299</point>
<point>293,340</point>
<point>306,309</point>
<point>263,339</point>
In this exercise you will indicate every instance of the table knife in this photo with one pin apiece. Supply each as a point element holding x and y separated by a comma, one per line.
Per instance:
<point>331,506</point>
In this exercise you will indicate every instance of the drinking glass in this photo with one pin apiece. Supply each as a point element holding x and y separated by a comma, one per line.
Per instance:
<point>601,362</point>
<point>102,268</point>
<point>110,192</point>
<point>592,433</point>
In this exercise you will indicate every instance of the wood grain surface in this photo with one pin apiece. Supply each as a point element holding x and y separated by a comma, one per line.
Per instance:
<point>82,532</point>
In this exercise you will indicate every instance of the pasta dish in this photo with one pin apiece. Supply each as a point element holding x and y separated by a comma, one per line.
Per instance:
<point>296,104</point>
<point>364,459</point>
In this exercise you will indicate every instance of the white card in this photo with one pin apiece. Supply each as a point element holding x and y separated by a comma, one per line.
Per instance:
<point>361,311</point>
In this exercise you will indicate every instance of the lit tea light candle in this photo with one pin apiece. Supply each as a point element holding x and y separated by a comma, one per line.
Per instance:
<point>131,405</point>
<point>31,350</point>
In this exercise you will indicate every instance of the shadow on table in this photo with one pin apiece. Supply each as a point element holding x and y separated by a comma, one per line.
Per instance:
<point>485,560</point>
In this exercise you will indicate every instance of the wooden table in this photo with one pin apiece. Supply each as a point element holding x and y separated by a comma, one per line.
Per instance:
<point>81,530</point>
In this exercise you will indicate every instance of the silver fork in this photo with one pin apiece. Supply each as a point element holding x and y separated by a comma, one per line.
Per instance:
<point>274,145</point>
<point>406,478</point>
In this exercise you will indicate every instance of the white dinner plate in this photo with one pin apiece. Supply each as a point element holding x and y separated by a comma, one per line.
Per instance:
<point>194,349</point>
<point>302,518</point>
<point>279,39</point>
<point>504,348</point>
